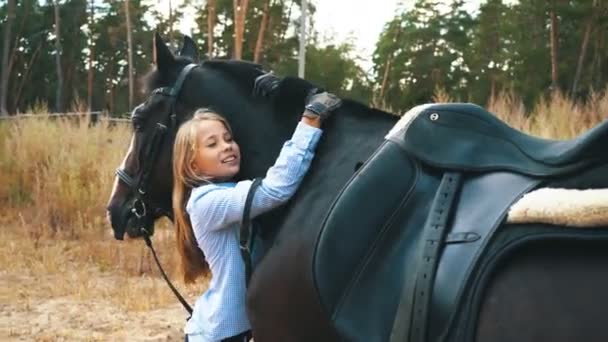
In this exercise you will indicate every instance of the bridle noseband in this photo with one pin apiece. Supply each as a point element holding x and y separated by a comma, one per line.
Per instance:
<point>139,183</point>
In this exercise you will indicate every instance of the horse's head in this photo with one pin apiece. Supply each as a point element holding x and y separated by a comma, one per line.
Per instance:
<point>144,177</point>
<point>177,87</point>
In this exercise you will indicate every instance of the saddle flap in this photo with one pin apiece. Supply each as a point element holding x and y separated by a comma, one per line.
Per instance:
<point>362,245</point>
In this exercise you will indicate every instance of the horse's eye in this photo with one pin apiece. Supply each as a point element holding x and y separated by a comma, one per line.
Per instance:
<point>138,124</point>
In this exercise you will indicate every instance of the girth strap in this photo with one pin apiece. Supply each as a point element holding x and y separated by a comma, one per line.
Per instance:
<point>415,316</point>
<point>245,233</point>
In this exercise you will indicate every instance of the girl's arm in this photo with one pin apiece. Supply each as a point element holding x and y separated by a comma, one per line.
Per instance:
<point>222,206</point>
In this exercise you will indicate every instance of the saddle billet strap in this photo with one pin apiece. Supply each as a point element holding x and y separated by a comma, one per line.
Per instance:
<point>245,232</point>
<point>483,203</point>
<point>415,316</point>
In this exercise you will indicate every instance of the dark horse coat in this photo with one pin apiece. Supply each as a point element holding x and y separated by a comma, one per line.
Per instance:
<point>345,275</point>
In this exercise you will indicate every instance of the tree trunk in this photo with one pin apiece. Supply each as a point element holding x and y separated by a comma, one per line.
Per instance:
<point>58,52</point>
<point>210,26</point>
<point>171,26</point>
<point>600,39</point>
<point>553,41</point>
<point>6,70</point>
<point>14,57</point>
<point>110,88</point>
<point>26,76</point>
<point>581,58</point>
<point>129,52</point>
<point>259,44</point>
<point>387,67</point>
<point>240,10</point>
<point>583,52</point>
<point>91,72</point>
<point>17,36</point>
<point>282,28</point>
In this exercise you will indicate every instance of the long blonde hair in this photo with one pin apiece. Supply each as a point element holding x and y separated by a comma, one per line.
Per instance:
<point>193,263</point>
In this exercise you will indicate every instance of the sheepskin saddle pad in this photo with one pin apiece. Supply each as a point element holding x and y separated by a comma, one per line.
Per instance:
<point>564,207</point>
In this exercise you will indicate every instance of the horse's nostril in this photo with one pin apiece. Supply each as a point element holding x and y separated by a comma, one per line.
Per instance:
<point>118,236</point>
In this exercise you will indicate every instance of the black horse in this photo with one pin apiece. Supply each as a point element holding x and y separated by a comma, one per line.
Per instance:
<point>390,237</point>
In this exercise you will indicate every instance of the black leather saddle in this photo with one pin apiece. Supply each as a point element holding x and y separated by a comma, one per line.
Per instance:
<point>401,241</point>
<point>464,136</point>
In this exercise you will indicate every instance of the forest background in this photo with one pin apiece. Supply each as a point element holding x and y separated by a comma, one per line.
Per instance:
<point>94,52</point>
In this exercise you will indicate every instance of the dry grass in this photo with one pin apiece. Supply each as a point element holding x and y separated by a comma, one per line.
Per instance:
<point>55,244</point>
<point>555,118</point>
<point>58,258</point>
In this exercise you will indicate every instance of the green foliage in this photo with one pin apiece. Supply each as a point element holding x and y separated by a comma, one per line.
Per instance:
<point>110,45</point>
<point>504,48</point>
<point>428,45</point>
<point>332,68</point>
<point>425,47</point>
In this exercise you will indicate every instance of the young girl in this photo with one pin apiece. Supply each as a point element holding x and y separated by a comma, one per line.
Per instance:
<point>208,208</point>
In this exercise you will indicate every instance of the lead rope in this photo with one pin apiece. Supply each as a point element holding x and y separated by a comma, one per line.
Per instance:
<point>181,299</point>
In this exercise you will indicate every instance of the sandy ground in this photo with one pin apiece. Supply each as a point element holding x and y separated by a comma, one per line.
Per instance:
<point>69,318</point>
<point>64,290</point>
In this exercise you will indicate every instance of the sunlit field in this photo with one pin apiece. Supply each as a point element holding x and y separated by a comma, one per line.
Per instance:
<point>62,274</point>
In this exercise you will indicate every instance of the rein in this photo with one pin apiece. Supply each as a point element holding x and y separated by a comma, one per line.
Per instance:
<point>181,299</point>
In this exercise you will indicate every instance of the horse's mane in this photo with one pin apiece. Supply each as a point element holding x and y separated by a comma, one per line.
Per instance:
<point>243,71</point>
<point>292,92</point>
<point>292,88</point>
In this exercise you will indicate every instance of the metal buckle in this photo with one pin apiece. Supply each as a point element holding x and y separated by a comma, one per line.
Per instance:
<point>142,205</point>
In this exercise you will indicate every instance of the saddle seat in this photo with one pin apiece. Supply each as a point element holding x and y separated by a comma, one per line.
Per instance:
<point>465,137</point>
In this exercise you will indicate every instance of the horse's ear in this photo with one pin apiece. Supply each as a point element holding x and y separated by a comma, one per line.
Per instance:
<point>163,58</point>
<point>189,49</point>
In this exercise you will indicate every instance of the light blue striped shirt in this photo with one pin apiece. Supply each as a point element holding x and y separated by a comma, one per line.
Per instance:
<point>215,213</point>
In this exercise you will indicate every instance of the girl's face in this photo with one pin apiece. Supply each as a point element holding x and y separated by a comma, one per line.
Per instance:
<point>217,156</point>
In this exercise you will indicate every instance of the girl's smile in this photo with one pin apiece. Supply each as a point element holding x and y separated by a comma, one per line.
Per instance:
<point>217,155</point>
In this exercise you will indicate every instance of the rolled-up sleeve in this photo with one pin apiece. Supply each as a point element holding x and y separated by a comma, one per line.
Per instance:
<point>214,206</point>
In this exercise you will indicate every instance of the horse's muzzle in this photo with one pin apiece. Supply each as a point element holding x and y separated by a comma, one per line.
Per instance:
<point>119,219</point>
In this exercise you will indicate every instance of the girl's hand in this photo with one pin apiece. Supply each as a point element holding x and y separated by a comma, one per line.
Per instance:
<point>321,105</point>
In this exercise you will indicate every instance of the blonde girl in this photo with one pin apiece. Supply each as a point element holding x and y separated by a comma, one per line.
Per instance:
<point>208,206</point>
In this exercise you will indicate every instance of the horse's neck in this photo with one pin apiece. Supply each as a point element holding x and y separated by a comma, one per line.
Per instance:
<point>347,141</point>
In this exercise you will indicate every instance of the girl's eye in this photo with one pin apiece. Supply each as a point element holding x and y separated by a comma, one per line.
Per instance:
<point>211,145</point>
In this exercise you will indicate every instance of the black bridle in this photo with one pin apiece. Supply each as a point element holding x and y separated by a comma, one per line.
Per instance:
<point>139,183</point>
